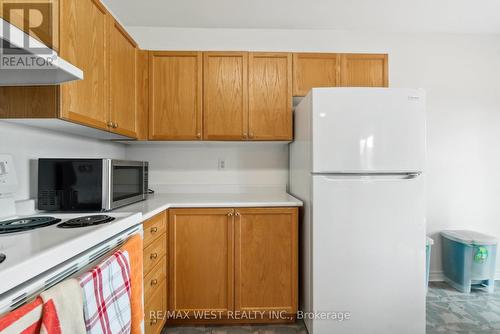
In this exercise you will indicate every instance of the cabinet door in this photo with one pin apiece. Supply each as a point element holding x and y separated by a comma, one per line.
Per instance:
<point>201,260</point>
<point>270,96</point>
<point>225,96</point>
<point>122,83</point>
<point>364,70</point>
<point>142,94</point>
<point>312,70</point>
<point>175,95</point>
<point>266,267</point>
<point>83,42</point>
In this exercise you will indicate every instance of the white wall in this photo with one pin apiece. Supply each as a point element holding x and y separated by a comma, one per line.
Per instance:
<point>27,144</point>
<point>461,74</point>
<point>175,167</point>
<point>179,167</point>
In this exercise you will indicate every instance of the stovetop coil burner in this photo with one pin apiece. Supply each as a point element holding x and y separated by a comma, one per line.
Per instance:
<point>86,221</point>
<point>25,224</point>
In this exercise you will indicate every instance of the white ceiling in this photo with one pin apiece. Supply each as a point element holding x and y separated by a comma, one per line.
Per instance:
<point>459,16</point>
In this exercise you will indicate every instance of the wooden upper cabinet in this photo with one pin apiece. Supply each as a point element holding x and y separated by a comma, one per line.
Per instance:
<point>122,82</point>
<point>201,260</point>
<point>312,70</point>
<point>175,108</point>
<point>364,70</point>
<point>225,95</point>
<point>142,101</point>
<point>266,265</point>
<point>83,27</point>
<point>270,96</point>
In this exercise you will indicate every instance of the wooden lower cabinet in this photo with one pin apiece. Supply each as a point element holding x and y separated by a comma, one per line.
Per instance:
<point>266,251</point>
<point>201,260</point>
<point>227,265</point>
<point>154,311</point>
<point>155,273</point>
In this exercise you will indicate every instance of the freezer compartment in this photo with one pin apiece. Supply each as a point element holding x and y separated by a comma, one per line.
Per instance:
<point>367,130</point>
<point>369,253</point>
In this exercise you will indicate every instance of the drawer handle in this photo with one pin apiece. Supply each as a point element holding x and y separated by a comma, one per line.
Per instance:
<point>154,229</point>
<point>154,282</point>
<point>153,256</point>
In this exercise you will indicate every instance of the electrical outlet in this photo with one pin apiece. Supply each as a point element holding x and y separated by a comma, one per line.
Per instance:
<point>221,164</point>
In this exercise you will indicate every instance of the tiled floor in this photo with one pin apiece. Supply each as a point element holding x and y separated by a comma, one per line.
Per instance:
<point>448,312</point>
<point>452,312</point>
<point>298,328</point>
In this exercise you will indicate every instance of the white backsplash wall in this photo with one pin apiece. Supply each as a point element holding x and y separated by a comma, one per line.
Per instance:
<point>461,74</point>
<point>27,144</point>
<point>179,167</point>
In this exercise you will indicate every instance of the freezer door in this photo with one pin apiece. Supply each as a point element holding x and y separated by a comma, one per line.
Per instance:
<point>368,130</point>
<point>369,254</point>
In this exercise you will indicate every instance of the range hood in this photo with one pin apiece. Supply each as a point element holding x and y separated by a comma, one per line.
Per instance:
<point>28,68</point>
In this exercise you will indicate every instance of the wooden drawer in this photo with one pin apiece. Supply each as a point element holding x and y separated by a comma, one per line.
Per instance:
<point>154,253</point>
<point>154,311</point>
<point>154,227</point>
<point>154,279</point>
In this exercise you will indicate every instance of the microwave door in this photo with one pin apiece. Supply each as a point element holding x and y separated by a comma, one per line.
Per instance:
<point>69,184</point>
<point>126,183</point>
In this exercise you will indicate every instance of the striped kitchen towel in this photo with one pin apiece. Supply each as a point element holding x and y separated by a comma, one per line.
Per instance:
<point>58,310</point>
<point>27,319</point>
<point>63,309</point>
<point>106,296</point>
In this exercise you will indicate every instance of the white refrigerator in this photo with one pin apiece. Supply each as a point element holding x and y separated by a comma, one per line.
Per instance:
<point>357,162</point>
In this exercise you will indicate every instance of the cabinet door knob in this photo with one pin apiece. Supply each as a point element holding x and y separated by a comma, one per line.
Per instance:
<point>238,214</point>
<point>116,125</point>
<point>110,124</point>
<point>153,256</point>
<point>198,135</point>
<point>251,135</point>
<point>154,282</point>
<point>230,214</point>
<point>245,135</point>
<point>154,229</point>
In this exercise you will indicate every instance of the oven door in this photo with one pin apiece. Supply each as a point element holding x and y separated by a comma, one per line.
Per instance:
<point>125,184</point>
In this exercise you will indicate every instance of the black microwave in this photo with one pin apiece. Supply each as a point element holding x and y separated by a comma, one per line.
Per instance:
<point>90,184</point>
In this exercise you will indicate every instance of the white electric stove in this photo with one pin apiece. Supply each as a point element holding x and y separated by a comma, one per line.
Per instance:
<point>40,249</point>
<point>33,251</point>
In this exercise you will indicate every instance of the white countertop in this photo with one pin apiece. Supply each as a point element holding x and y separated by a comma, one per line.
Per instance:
<point>159,202</point>
<point>33,252</point>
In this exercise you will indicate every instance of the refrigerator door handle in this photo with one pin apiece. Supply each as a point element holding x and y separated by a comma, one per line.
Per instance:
<point>370,176</point>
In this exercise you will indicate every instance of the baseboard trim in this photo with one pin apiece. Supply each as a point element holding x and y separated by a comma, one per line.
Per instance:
<point>438,276</point>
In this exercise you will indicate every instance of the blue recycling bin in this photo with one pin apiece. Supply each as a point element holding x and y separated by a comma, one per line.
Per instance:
<point>469,259</point>
<point>428,248</point>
